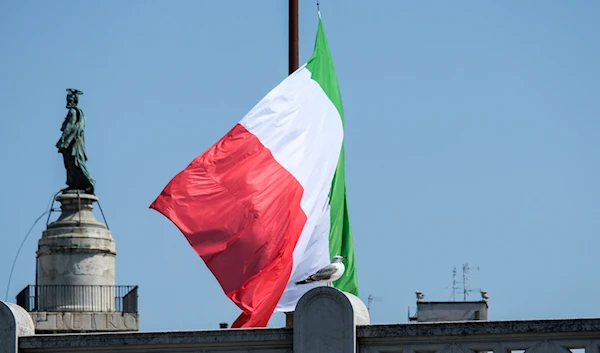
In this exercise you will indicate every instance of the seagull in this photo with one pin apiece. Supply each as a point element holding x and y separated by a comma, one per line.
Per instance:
<point>484,296</point>
<point>327,274</point>
<point>420,296</point>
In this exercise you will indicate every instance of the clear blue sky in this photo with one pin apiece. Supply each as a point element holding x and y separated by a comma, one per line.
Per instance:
<point>471,136</point>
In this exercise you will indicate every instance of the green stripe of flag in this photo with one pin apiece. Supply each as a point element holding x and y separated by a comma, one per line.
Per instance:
<point>340,236</point>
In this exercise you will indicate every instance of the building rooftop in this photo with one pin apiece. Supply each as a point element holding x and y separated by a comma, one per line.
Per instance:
<point>325,320</point>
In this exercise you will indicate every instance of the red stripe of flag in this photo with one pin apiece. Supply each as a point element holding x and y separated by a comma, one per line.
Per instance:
<point>240,211</point>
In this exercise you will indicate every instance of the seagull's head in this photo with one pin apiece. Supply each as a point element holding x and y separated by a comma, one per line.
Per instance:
<point>338,259</point>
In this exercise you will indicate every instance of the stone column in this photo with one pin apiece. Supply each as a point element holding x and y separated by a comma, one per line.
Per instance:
<point>325,320</point>
<point>75,252</point>
<point>14,323</point>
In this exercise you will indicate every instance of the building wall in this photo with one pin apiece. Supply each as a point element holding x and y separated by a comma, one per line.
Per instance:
<point>451,311</point>
<point>547,336</point>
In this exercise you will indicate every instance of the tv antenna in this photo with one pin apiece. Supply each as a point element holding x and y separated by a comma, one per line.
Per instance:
<point>371,299</point>
<point>454,284</point>
<point>466,270</point>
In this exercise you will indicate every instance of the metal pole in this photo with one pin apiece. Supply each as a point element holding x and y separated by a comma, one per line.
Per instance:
<point>35,288</point>
<point>293,36</point>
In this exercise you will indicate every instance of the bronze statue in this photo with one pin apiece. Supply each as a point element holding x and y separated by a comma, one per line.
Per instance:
<point>72,146</point>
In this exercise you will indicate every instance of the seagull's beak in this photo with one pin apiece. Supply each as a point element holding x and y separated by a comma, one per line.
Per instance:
<point>344,257</point>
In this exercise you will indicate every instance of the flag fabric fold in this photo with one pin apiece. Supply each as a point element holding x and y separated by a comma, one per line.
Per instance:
<point>266,205</point>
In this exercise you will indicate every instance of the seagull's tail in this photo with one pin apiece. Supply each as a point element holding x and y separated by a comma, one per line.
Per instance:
<point>304,281</point>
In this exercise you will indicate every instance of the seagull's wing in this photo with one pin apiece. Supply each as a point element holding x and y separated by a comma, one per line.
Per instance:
<point>323,274</point>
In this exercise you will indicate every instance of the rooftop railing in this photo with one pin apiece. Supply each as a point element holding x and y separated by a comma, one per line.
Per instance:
<point>79,298</point>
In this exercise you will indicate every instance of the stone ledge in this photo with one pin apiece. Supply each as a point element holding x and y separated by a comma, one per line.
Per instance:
<point>73,225</point>
<point>281,337</point>
<point>468,329</point>
<point>83,229</point>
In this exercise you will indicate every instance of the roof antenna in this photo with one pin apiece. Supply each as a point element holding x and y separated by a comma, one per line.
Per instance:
<point>371,299</point>
<point>454,284</point>
<point>466,270</point>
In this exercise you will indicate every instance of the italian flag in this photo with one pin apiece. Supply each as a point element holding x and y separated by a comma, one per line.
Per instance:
<point>266,206</point>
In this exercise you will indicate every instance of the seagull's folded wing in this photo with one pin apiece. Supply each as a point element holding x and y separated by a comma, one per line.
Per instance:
<point>324,274</point>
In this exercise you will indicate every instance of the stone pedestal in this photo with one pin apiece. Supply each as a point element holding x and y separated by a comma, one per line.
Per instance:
<point>75,287</point>
<point>14,323</point>
<point>76,252</point>
<point>325,320</point>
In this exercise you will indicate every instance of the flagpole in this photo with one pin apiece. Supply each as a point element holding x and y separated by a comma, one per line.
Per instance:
<point>293,36</point>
